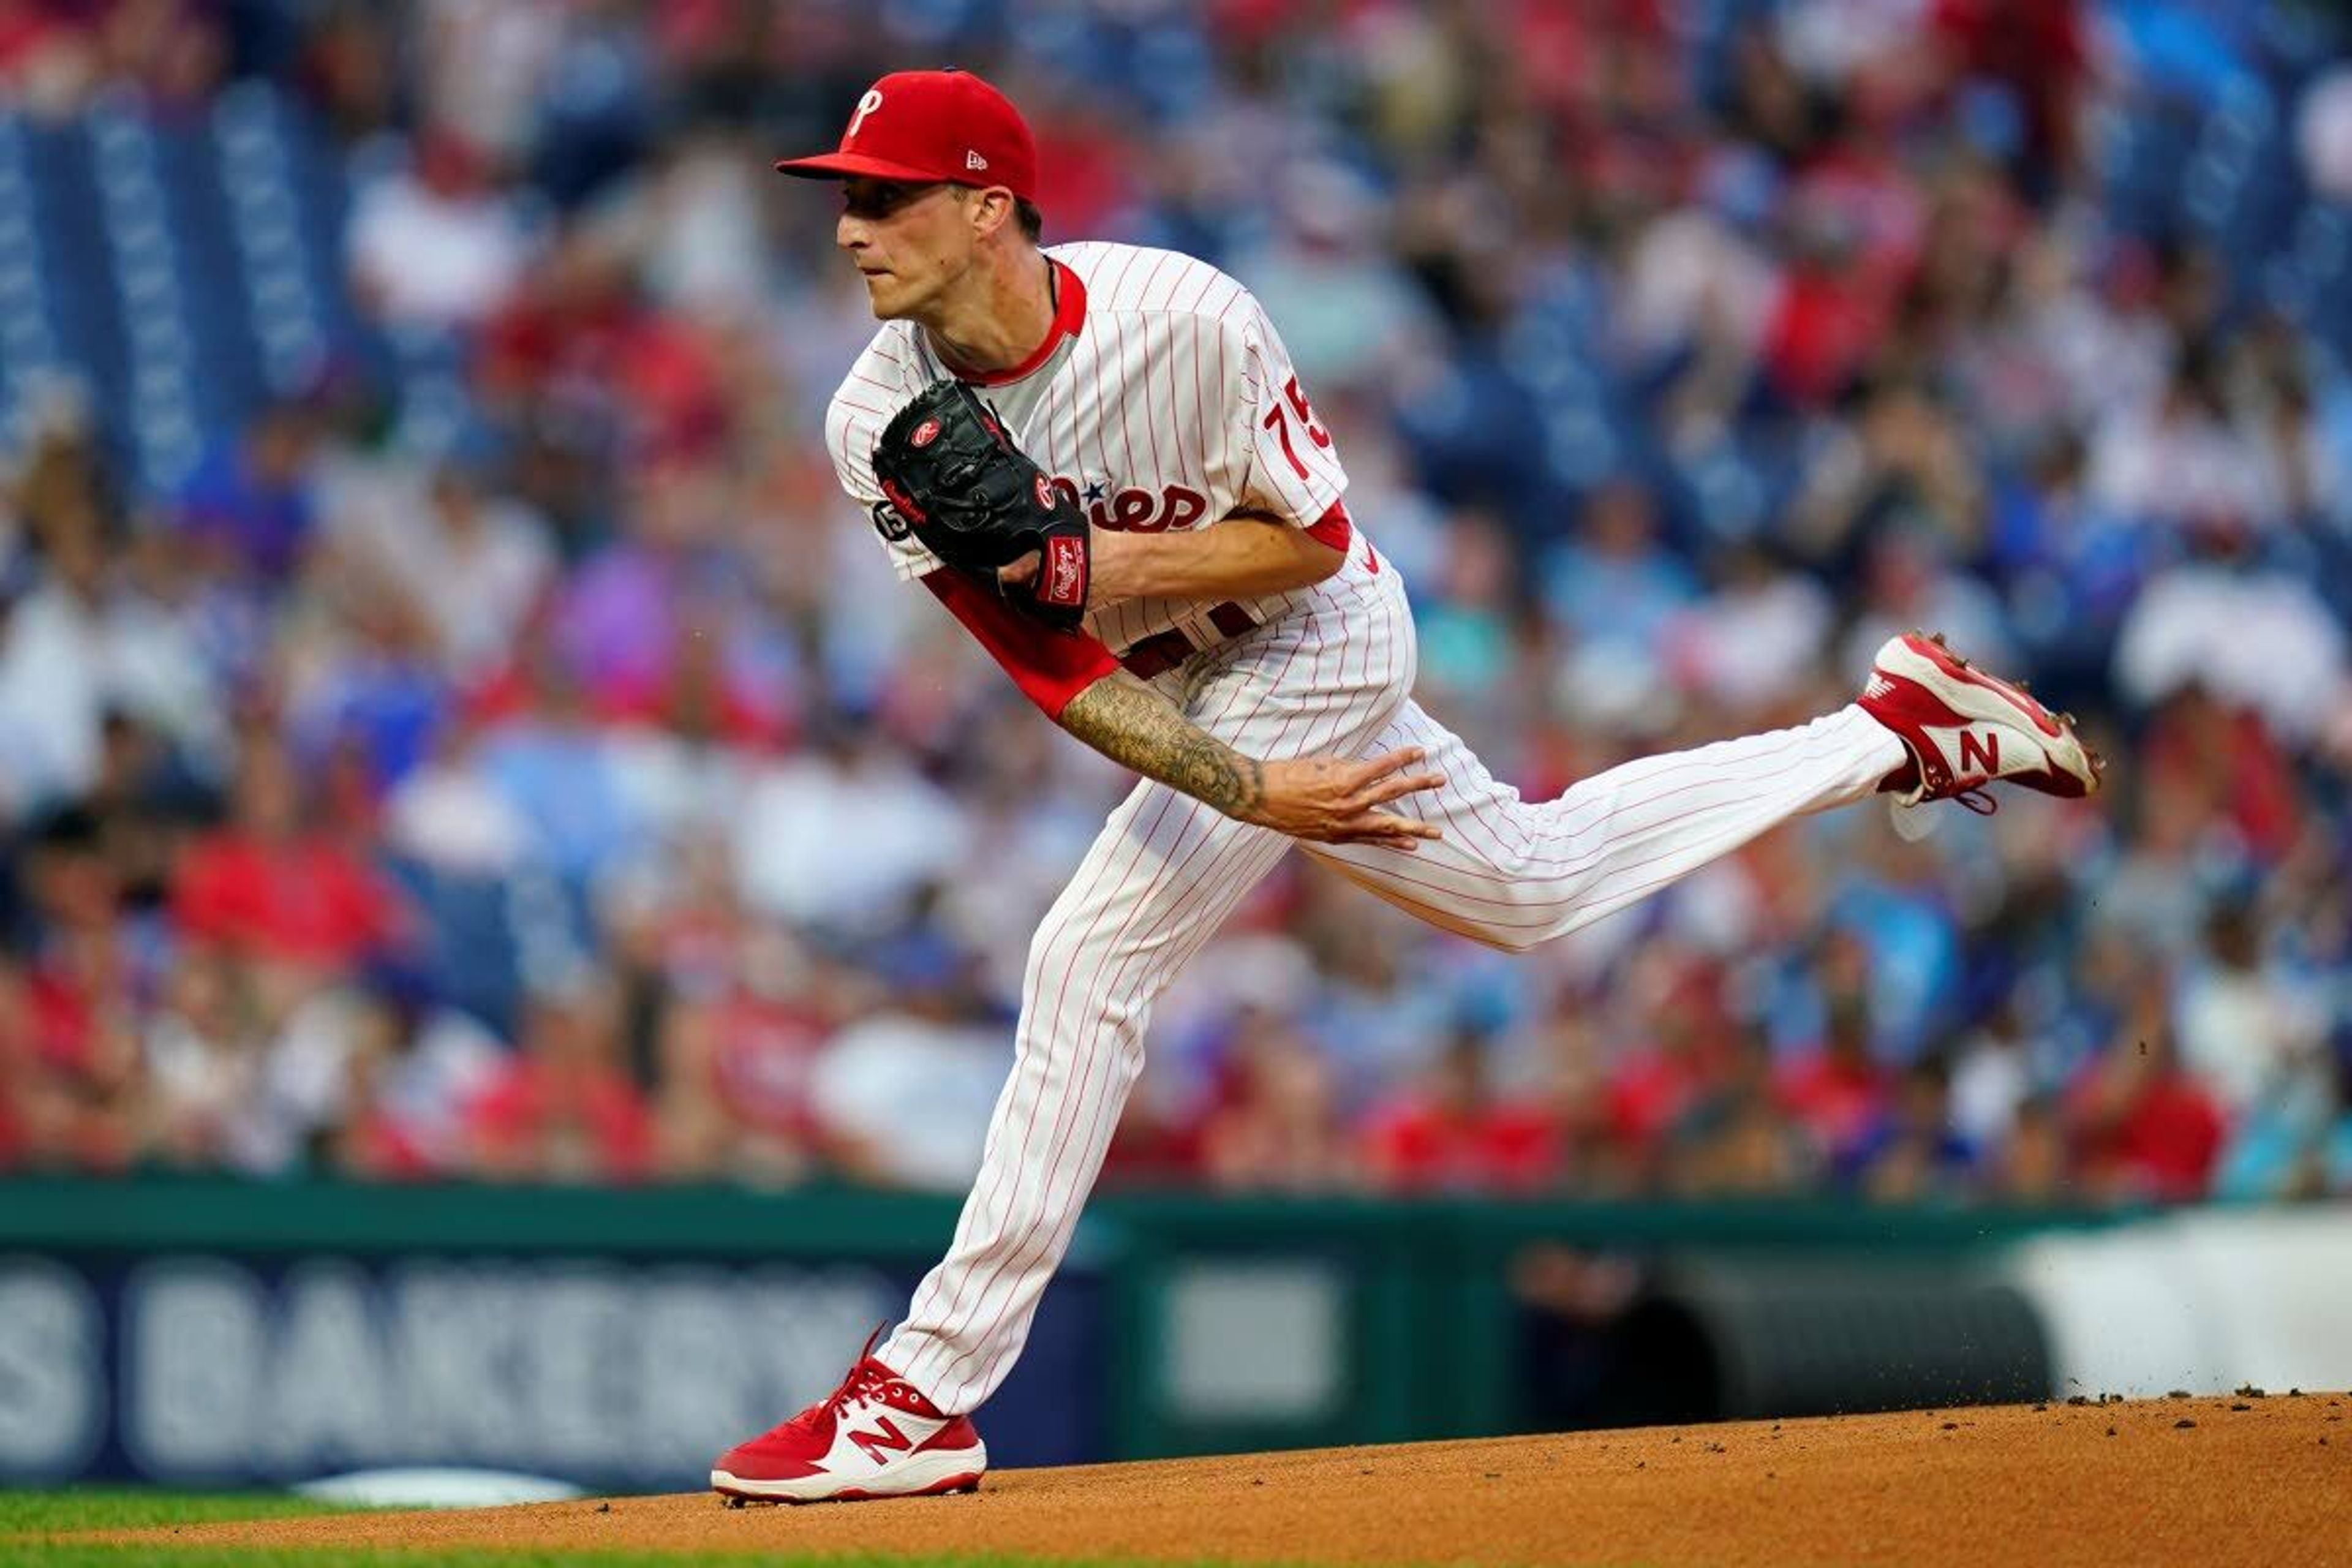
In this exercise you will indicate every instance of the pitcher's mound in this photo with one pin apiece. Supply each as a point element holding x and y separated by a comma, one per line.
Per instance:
<point>2244,1480</point>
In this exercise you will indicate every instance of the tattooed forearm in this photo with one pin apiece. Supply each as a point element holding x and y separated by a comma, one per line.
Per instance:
<point>1133,725</point>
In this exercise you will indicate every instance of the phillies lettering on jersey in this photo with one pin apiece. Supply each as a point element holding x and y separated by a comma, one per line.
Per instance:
<point>1162,401</point>
<point>1175,509</point>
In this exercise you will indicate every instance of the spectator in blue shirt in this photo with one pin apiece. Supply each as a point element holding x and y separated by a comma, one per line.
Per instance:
<point>250,498</point>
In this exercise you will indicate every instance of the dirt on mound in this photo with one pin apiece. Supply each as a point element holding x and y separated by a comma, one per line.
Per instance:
<point>2245,1479</point>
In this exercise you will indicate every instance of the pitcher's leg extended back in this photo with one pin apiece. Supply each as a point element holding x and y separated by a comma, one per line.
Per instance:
<point>1515,873</point>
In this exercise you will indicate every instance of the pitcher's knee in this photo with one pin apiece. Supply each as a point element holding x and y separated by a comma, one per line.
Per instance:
<point>1074,1026</point>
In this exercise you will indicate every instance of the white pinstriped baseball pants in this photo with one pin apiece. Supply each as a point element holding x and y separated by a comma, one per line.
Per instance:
<point>1335,678</point>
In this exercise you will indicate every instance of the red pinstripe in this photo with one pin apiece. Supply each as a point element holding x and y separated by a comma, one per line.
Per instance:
<point>1126,428</point>
<point>1143,386</point>
<point>1191,335</point>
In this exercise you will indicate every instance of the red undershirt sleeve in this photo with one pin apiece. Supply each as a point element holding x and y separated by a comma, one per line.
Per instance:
<point>1333,528</point>
<point>1049,667</point>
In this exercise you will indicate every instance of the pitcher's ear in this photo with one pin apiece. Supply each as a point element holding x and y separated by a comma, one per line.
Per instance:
<point>989,208</point>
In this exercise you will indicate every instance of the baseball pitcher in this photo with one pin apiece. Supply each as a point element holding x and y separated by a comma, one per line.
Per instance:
<point>1099,459</point>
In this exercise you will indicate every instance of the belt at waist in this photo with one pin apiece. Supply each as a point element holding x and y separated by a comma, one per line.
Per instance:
<point>1163,651</point>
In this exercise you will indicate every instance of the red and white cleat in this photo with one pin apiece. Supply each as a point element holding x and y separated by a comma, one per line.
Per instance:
<point>875,1436</point>
<point>1965,729</point>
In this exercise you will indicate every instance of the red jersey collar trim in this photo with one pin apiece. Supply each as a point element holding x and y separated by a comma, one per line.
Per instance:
<point>1069,315</point>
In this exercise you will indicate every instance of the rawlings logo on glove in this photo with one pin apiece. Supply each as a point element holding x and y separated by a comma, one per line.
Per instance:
<point>1061,577</point>
<point>978,504</point>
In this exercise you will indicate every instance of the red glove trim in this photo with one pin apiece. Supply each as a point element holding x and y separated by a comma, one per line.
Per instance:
<point>1049,667</point>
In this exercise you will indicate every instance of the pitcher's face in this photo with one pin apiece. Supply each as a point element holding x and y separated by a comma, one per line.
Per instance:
<point>909,242</point>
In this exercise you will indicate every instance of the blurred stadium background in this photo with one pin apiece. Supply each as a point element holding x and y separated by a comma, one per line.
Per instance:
<point>512,918</point>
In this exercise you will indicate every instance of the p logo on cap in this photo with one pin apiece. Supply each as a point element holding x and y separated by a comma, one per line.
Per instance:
<point>865,106</point>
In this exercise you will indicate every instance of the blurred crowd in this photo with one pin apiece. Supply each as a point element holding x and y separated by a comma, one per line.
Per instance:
<point>498,751</point>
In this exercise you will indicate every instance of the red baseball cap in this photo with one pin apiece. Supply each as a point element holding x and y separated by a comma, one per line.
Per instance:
<point>923,126</point>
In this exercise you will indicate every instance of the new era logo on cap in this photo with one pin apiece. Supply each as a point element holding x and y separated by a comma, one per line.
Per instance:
<point>931,126</point>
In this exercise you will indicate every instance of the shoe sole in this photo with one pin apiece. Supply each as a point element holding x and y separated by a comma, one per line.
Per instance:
<point>923,1475</point>
<point>1989,700</point>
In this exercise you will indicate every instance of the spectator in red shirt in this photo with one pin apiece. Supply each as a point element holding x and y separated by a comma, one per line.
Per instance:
<point>1656,1086</point>
<point>66,1014</point>
<point>2144,1128</point>
<point>271,886</point>
<point>16,1069</point>
<point>1839,1092</point>
<point>1827,319</point>
<point>1456,1133</point>
<point>1278,1126</point>
<point>736,1055</point>
<point>584,339</point>
<point>1737,1138</point>
<point>565,1109</point>
<point>2039,49</point>
<point>2227,759</point>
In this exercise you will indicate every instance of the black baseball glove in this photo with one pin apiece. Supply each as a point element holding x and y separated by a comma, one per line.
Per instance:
<point>947,466</point>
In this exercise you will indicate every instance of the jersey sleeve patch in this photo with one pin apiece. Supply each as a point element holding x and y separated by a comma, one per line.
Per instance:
<point>859,411</point>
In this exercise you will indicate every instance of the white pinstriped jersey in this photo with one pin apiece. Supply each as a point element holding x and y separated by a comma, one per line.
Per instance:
<point>1168,405</point>
<point>1171,405</point>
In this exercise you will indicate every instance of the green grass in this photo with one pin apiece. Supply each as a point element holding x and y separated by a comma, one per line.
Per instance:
<point>29,1520</point>
<point>32,1554</point>
<point>39,1556</point>
<point>140,1508</point>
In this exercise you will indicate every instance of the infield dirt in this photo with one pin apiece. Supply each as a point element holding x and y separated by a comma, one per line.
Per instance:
<point>2246,1479</point>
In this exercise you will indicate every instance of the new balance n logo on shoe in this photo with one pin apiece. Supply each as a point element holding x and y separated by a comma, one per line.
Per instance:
<point>873,1436</point>
<point>1980,750</point>
<point>874,1445</point>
